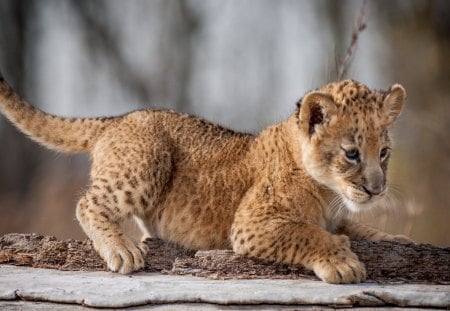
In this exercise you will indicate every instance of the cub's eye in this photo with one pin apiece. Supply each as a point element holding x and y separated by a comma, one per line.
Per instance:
<point>384,153</point>
<point>352,154</point>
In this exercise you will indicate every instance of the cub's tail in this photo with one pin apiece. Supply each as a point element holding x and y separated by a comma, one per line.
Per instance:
<point>62,134</point>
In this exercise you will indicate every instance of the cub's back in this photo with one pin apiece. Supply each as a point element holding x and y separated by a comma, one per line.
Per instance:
<point>194,141</point>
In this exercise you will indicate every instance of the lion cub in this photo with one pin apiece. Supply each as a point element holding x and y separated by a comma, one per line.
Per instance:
<point>203,186</point>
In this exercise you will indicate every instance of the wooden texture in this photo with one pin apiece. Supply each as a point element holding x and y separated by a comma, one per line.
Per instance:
<point>386,262</point>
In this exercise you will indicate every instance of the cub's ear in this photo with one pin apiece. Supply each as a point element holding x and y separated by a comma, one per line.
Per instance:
<point>393,103</point>
<point>316,108</point>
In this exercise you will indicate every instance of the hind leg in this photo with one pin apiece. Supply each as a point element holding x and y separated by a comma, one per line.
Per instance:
<point>102,226</point>
<point>125,183</point>
<point>142,227</point>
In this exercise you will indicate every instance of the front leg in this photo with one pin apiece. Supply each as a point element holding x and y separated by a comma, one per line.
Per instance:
<point>355,231</point>
<point>265,230</point>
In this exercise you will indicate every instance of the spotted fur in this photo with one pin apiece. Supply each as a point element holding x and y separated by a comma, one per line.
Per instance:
<point>202,186</point>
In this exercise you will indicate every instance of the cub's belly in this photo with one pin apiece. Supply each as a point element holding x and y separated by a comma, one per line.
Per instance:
<point>197,218</point>
<point>195,226</point>
<point>198,209</point>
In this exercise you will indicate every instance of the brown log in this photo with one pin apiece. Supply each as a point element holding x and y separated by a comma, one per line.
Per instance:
<point>386,262</point>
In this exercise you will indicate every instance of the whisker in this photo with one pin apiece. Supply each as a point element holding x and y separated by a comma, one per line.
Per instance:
<point>336,207</point>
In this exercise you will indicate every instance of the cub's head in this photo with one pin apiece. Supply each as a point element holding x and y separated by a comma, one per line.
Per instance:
<point>344,129</point>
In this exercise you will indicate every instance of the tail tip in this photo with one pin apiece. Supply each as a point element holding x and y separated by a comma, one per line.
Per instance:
<point>1,77</point>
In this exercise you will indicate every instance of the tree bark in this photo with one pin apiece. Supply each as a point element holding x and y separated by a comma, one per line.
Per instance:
<point>386,262</point>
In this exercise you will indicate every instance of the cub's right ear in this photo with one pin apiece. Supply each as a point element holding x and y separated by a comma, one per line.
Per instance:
<point>315,110</point>
<point>394,102</point>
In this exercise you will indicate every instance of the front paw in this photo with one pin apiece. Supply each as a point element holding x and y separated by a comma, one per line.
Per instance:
<point>340,266</point>
<point>121,254</point>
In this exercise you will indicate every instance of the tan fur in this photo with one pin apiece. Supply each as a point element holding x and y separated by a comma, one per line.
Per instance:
<point>203,186</point>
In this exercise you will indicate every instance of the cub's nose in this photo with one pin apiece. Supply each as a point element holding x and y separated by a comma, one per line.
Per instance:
<point>375,182</point>
<point>374,190</point>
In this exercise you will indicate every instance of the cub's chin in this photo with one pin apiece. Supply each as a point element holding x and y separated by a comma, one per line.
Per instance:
<point>356,207</point>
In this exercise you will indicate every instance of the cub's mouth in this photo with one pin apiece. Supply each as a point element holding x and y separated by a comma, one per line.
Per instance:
<point>357,199</point>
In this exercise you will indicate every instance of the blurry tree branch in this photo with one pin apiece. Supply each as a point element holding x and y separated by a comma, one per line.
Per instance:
<point>103,41</point>
<point>175,59</point>
<point>358,27</point>
<point>16,41</point>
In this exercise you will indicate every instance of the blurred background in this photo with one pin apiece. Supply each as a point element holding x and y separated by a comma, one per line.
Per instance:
<point>242,64</point>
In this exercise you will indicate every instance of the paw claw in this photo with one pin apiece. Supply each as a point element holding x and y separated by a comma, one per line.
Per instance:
<point>121,255</point>
<point>143,248</point>
<point>344,267</point>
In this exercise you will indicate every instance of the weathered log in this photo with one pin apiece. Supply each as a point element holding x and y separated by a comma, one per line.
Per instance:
<point>386,262</point>
<point>48,252</point>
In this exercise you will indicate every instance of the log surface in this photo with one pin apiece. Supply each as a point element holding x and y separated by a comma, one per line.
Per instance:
<point>386,262</point>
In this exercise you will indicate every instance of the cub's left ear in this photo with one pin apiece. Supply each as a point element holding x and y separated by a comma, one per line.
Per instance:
<point>393,103</point>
